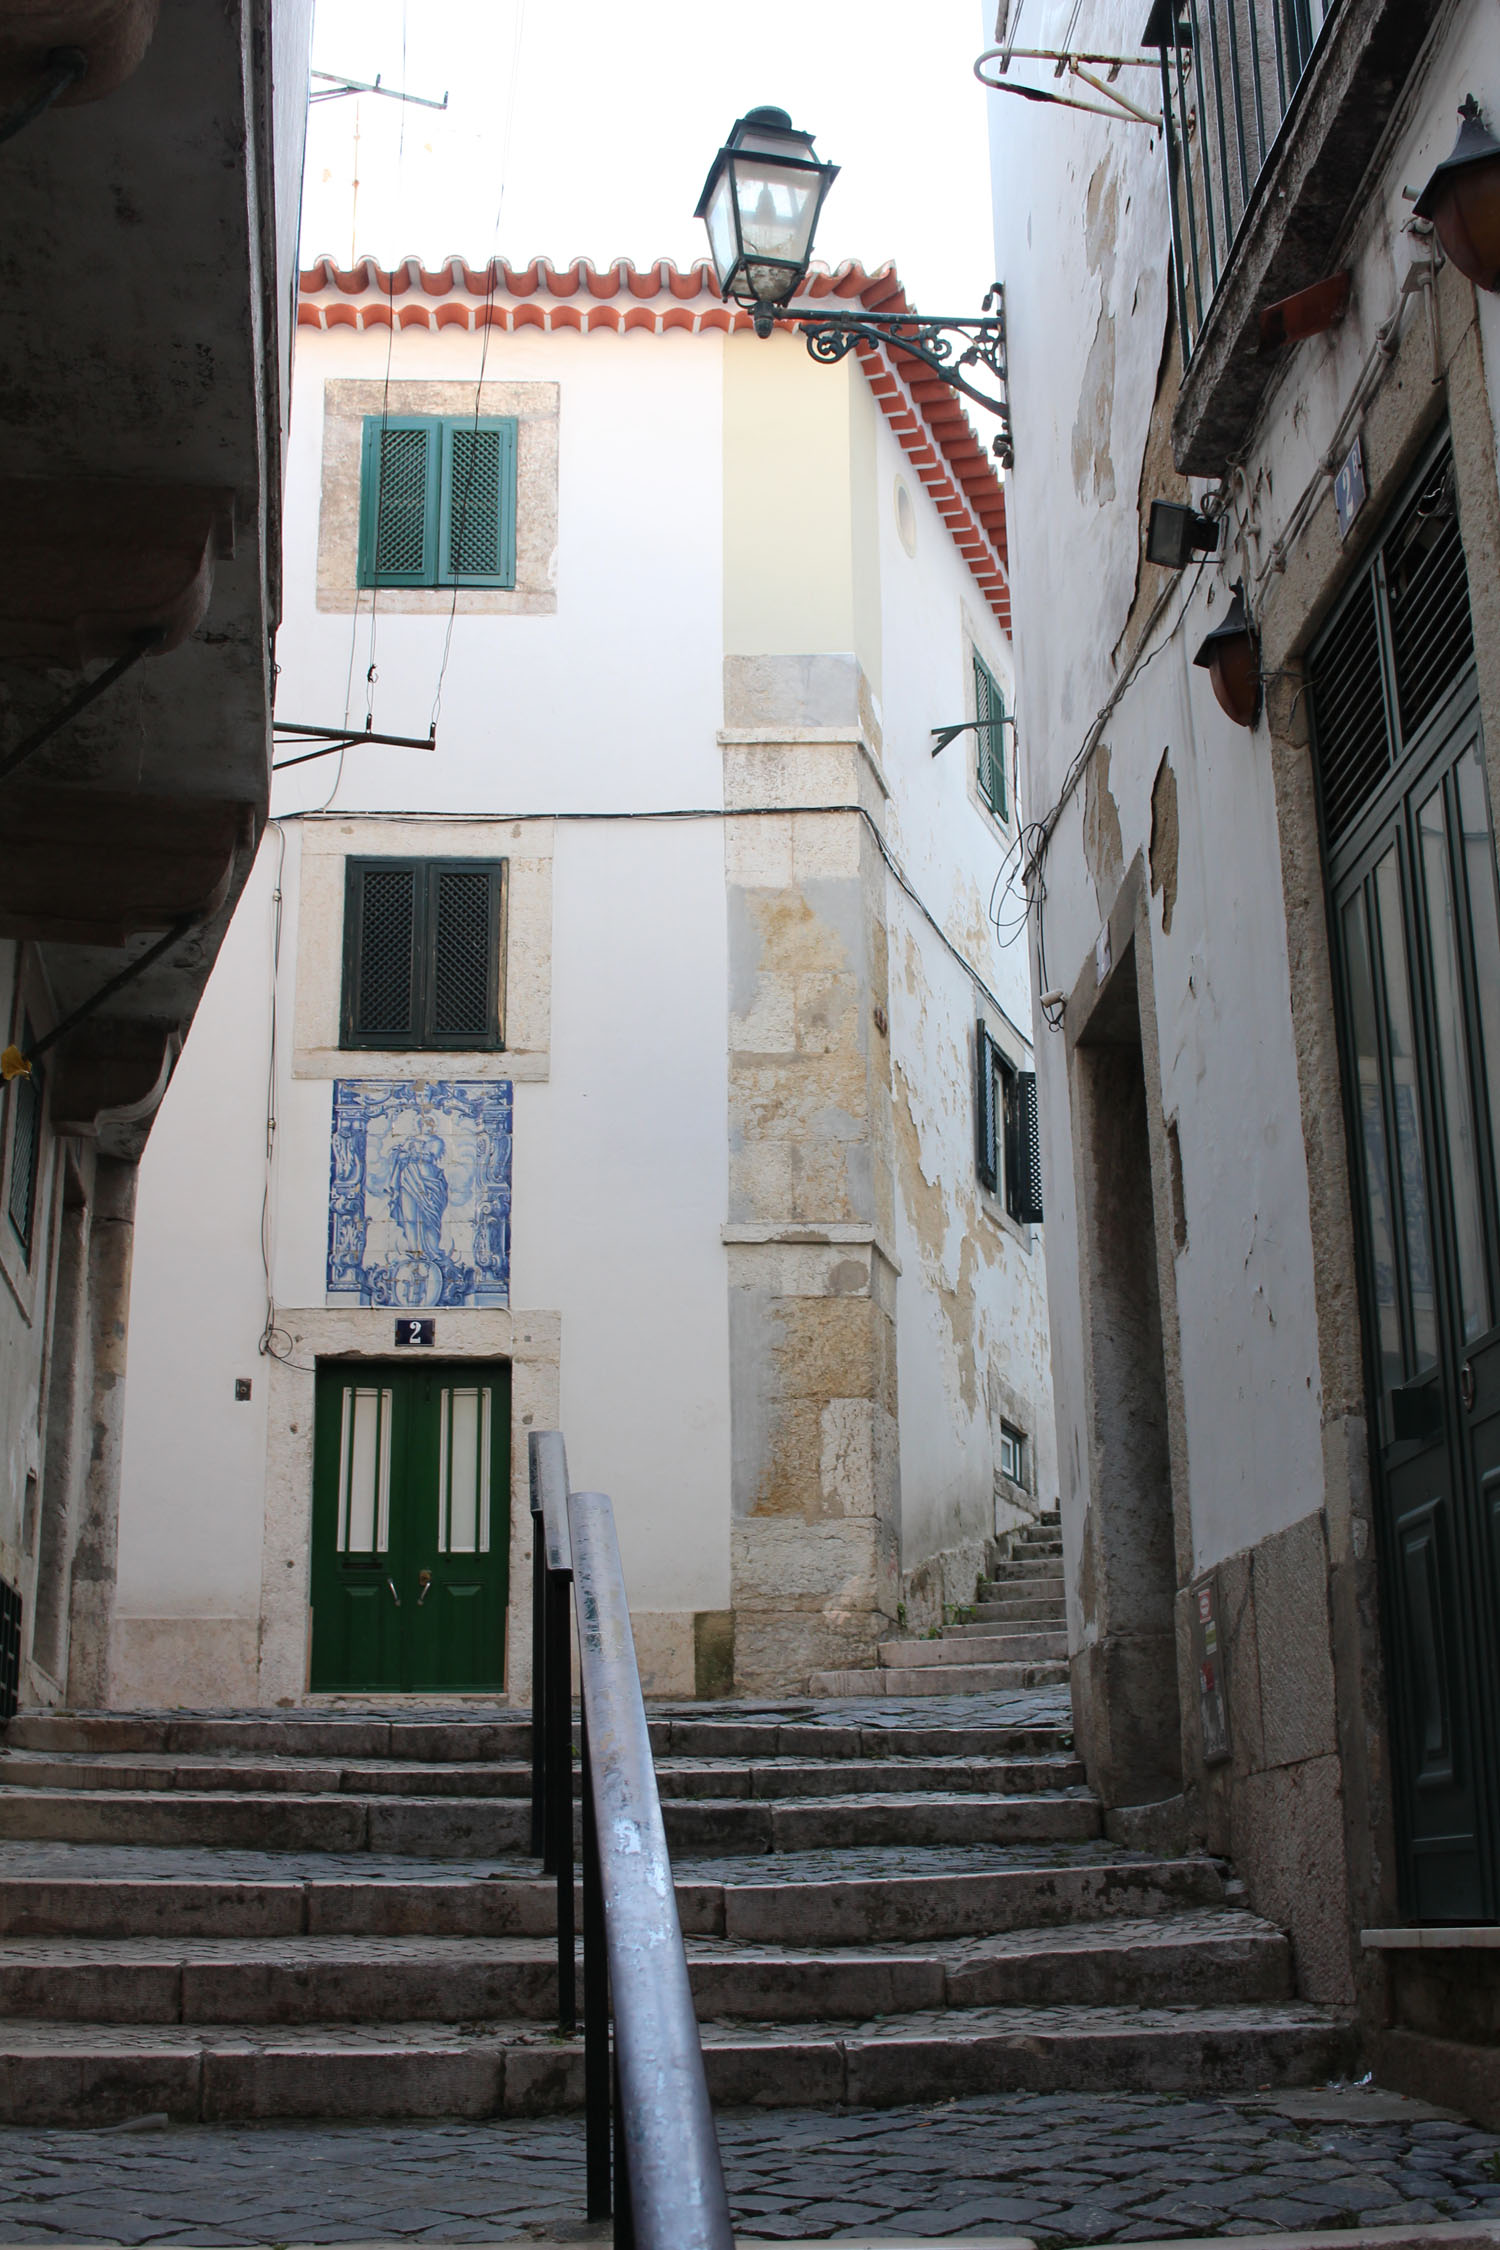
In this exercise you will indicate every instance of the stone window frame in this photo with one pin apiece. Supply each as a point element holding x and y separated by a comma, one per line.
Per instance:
<point>328,840</point>
<point>348,402</point>
<point>992,1200</point>
<point>975,651</point>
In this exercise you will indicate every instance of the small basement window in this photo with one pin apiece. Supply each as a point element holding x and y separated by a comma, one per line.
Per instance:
<point>1012,1453</point>
<point>437,501</point>
<point>422,953</point>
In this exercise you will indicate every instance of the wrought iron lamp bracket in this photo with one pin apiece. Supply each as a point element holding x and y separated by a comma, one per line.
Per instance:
<point>944,346</point>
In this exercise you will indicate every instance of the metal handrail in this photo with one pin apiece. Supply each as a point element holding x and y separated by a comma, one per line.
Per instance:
<point>552,1697</point>
<point>653,2154</point>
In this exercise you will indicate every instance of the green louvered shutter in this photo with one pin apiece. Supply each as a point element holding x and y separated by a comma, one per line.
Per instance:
<point>1024,1153</point>
<point>398,509</point>
<point>464,906</point>
<point>989,710</point>
<point>383,918</point>
<point>477,540</point>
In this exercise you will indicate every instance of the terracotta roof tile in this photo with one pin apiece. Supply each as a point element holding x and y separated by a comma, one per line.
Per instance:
<point>927,418</point>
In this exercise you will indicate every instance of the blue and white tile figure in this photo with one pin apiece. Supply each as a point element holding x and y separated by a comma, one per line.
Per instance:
<point>419,1192</point>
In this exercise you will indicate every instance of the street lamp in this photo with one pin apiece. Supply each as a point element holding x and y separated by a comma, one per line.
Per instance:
<point>1462,199</point>
<point>761,203</point>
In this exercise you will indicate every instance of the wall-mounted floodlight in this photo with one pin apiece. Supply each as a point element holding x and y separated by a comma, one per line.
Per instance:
<point>1175,534</point>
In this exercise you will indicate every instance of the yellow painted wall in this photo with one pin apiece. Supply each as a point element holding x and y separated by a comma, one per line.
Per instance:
<point>801,575</point>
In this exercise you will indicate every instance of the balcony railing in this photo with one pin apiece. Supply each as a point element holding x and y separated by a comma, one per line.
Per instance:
<point>1230,75</point>
<point>652,2152</point>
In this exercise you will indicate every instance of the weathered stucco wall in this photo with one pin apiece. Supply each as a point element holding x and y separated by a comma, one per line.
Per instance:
<point>1179,912</point>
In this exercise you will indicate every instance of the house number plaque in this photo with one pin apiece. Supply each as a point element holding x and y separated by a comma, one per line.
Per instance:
<point>416,1331</point>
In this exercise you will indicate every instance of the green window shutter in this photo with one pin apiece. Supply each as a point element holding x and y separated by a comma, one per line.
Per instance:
<point>400,477</point>
<point>1024,1152</point>
<point>25,1147</point>
<point>383,930</point>
<point>986,1123</point>
<point>989,710</point>
<point>477,536</point>
<point>464,906</point>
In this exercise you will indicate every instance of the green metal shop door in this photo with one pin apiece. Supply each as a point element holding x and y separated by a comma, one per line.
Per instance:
<point>1416,915</point>
<point>411,1526</point>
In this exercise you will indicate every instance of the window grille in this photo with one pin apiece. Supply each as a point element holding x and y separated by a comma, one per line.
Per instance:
<point>422,946</point>
<point>438,501</point>
<point>1401,637</point>
<point>1230,75</point>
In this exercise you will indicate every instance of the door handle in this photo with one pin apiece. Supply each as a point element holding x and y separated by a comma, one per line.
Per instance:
<point>1466,1385</point>
<point>424,1580</point>
<point>395,1597</point>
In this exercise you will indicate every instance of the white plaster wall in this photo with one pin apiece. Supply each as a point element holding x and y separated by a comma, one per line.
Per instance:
<point>971,1302</point>
<point>608,703</point>
<point>194,1457</point>
<point>620,1182</point>
<point>1086,309</point>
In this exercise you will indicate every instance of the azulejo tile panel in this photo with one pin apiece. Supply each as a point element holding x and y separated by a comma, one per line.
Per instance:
<point>419,1192</point>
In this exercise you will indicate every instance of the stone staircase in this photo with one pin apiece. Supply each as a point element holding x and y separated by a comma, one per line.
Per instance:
<point>307,1914</point>
<point>1014,1634</point>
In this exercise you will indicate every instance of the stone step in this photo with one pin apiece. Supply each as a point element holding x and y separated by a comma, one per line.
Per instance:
<point>473,1828</point>
<point>941,1679</point>
<point>62,2074</point>
<point>1022,1588</point>
<point>1017,1609</point>
<point>802,1902</point>
<point>274,1734</point>
<point>676,1777</point>
<point>240,1741</point>
<point>979,1626</point>
<point>987,1648</point>
<point>1028,1566</point>
<point>1036,1543</point>
<point>1177,1961</point>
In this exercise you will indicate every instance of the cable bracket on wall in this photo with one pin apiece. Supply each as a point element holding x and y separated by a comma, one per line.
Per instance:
<point>341,738</point>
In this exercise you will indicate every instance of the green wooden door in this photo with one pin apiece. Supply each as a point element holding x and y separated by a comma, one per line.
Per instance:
<point>411,1526</point>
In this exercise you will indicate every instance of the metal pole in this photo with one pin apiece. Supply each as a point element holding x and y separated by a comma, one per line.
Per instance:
<point>597,2072</point>
<point>624,2209</point>
<point>538,1678</point>
<point>560,1788</point>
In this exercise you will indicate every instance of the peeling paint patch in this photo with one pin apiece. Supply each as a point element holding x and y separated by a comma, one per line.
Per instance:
<point>1102,841</point>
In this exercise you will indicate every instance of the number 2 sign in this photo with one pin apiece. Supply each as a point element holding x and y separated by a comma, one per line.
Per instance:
<point>416,1331</point>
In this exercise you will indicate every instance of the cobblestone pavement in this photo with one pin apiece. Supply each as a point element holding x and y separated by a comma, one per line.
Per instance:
<point>1064,2169</point>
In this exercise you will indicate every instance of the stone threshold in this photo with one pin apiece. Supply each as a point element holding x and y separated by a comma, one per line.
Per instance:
<point>1444,1937</point>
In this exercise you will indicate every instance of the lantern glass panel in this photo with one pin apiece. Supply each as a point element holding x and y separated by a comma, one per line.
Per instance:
<point>778,207</point>
<point>719,219</point>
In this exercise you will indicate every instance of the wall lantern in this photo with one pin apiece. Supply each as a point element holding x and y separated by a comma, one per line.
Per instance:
<point>1174,535</point>
<point>1462,199</point>
<point>1230,655</point>
<point>761,203</point>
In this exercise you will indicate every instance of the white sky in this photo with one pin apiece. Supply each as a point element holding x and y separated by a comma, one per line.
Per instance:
<point>600,120</point>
